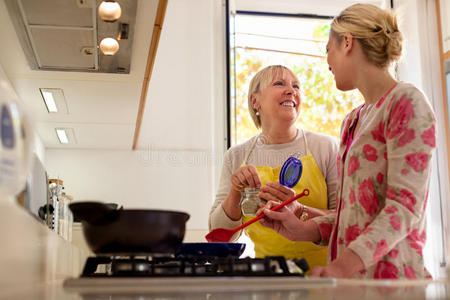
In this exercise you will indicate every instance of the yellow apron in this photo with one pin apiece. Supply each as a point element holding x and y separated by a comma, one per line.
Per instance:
<point>268,242</point>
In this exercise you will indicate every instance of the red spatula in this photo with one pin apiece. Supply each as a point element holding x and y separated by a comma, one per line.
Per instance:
<point>224,235</point>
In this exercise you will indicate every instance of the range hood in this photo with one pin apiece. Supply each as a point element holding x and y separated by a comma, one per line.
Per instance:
<point>63,35</point>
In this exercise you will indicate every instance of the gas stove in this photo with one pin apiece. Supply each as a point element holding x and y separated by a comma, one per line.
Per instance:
<point>151,266</point>
<point>144,274</point>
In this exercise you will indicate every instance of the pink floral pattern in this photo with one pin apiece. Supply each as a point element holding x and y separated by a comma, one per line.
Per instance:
<point>390,209</point>
<point>378,133</point>
<point>351,233</point>
<point>418,161</point>
<point>417,241</point>
<point>386,270</point>
<point>402,112</point>
<point>353,165</point>
<point>429,137</point>
<point>368,198</point>
<point>384,219</point>
<point>407,136</point>
<point>395,222</point>
<point>391,193</point>
<point>367,229</point>
<point>370,152</point>
<point>380,250</point>
<point>352,196</point>
<point>393,253</point>
<point>380,178</point>
<point>407,199</point>
<point>409,272</point>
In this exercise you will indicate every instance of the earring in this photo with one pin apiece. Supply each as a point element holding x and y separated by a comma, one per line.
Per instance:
<point>257,113</point>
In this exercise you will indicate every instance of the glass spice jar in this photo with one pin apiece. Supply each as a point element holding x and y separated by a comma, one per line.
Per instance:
<point>250,201</point>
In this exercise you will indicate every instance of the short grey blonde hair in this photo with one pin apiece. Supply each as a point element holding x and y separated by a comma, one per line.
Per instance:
<point>376,30</point>
<point>259,82</point>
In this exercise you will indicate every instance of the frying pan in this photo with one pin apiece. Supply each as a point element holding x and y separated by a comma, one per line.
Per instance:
<point>210,249</point>
<point>130,231</point>
<point>92,209</point>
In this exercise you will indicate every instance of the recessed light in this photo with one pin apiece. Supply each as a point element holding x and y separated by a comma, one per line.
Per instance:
<point>54,100</point>
<point>62,136</point>
<point>49,101</point>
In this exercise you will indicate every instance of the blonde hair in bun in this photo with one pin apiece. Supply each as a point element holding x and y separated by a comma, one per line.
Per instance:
<point>376,30</point>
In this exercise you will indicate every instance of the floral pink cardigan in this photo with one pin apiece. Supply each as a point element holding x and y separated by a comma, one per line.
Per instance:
<point>383,186</point>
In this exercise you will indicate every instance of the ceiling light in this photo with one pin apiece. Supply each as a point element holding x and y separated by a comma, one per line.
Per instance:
<point>49,100</point>
<point>54,100</point>
<point>109,11</point>
<point>62,136</point>
<point>109,46</point>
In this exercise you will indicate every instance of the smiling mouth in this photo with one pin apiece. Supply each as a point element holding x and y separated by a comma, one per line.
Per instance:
<point>288,103</point>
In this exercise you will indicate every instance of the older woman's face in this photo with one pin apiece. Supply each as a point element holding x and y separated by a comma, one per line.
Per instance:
<point>280,99</point>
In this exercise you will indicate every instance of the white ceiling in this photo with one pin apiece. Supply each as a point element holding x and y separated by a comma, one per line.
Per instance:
<point>317,7</point>
<point>102,108</point>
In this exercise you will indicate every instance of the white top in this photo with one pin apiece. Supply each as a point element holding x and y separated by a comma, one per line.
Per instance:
<point>323,148</point>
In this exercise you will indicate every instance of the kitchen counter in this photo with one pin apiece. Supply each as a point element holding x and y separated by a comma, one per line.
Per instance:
<point>35,262</point>
<point>33,259</point>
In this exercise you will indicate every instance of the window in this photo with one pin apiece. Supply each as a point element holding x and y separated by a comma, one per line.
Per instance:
<point>299,44</point>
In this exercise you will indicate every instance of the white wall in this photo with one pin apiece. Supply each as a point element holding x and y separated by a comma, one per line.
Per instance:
<point>38,148</point>
<point>172,180</point>
<point>182,138</point>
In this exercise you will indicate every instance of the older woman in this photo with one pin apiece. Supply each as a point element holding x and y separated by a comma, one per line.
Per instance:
<point>274,104</point>
<point>384,158</point>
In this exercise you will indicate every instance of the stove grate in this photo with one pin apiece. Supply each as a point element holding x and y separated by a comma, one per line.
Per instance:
<point>148,266</point>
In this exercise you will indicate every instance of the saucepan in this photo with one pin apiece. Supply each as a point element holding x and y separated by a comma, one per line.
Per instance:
<point>130,231</point>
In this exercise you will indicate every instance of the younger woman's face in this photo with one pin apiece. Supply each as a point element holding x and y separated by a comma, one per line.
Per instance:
<point>338,63</point>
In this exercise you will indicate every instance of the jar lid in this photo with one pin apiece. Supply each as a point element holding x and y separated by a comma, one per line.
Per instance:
<point>249,190</point>
<point>290,172</point>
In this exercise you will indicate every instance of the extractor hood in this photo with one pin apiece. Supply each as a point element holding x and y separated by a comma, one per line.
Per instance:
<point>63,35</point>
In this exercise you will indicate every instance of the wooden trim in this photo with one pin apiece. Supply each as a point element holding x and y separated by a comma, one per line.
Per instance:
<point>157,27</point>
<point>443,81</point>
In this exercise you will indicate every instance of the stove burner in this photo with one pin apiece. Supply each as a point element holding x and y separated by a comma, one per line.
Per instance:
<point>148,266</point>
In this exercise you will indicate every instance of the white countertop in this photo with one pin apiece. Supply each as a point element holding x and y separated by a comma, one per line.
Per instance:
<point>35,262</point>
